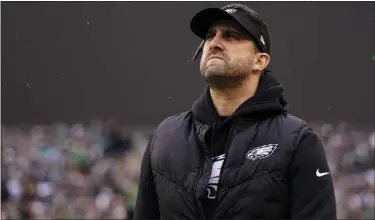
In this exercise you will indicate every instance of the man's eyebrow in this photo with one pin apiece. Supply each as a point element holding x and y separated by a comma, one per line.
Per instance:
<point>234,30</point>
<point>243,33</point>
<point>211,29</point>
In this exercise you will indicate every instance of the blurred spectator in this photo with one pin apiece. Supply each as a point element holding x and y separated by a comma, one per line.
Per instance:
<point>118,140</point>
<point>91,171</point>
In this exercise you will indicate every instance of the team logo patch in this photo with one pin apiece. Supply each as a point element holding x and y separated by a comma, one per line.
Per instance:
<point>261,152</point>
<point>231,10</point>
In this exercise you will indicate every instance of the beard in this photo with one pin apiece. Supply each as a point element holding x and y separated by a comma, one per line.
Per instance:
<point>221,74</point>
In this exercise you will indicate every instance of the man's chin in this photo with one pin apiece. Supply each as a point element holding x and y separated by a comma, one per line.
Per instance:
<point>223,81</point>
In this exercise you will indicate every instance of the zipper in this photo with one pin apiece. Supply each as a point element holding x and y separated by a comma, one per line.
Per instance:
<point>195,192</point>
<point>225,159</point>
<point>201,212</point>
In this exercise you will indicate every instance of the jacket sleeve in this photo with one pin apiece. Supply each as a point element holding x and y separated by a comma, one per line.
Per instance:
<point>311,187</point>
<point>147,206</point>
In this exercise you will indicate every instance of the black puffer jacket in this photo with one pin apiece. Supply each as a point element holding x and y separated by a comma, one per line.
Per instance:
<point>273,165</point>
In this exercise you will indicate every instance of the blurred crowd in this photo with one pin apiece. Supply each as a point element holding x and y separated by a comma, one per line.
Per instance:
<point>350,154</point>
<point>70,171</point>
<point>91,171</point>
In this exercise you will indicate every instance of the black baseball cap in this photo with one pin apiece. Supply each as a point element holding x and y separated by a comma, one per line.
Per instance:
<point>203,20</point>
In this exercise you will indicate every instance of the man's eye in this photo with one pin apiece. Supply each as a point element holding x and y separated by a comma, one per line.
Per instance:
<point>232,36</point>
<point>209,35</point>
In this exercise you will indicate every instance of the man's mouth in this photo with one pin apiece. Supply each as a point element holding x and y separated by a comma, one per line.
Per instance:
<point>215,57</point>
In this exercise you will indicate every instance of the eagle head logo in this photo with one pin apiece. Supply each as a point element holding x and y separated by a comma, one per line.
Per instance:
<point>261,152</point>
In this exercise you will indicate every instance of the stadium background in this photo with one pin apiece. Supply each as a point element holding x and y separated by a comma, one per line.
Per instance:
<point>84,84</point>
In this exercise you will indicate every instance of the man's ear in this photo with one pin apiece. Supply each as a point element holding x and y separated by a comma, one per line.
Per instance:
<point>261,61</point>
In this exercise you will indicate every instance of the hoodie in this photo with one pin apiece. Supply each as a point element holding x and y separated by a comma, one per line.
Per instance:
<point>267,100</point>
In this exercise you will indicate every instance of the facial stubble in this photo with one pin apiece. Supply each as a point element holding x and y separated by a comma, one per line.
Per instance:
<point>224,75</point>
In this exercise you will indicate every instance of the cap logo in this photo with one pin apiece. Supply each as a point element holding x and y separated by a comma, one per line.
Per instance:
<point>262,40</point>
<point>230,10</point>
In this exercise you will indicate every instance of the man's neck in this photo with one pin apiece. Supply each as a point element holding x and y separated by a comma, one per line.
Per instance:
<point>227,101</point>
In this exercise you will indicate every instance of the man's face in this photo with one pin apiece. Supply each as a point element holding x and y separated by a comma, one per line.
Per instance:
<point>228,55</point>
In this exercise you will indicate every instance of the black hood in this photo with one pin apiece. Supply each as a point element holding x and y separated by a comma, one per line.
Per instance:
<point>268,100</point>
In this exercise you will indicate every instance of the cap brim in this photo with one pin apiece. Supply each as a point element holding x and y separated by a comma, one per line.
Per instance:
<point>203,20</point>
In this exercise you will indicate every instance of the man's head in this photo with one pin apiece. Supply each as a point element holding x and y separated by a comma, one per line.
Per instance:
<point>236,45</point>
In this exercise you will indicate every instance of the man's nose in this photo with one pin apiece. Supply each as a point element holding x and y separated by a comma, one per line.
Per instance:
<point>216,42</point>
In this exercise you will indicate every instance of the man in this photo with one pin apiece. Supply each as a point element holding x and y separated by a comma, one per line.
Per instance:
<point>238,154</point>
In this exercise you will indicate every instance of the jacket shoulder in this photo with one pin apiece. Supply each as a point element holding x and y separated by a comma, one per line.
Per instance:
<point>173,122</point>
<point>169,126</point>
<point>294,121</point>
<point>297,126</point>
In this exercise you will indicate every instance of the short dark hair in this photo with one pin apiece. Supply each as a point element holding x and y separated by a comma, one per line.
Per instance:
<point>255,17</point>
